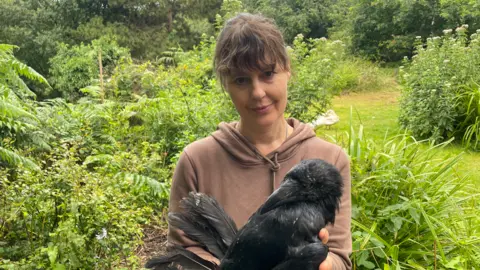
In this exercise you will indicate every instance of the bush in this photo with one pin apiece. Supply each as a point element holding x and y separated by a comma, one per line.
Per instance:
<point>71,218</point>
<point>440,96</point>
<point>315,79</point>
<point>322,68</point>
<point>77,67</point>
<point>409,207</point>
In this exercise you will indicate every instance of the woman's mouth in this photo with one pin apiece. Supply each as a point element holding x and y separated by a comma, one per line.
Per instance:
<point>262,109</point>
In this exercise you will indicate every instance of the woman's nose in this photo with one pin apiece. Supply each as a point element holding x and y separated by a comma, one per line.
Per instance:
<point>258,88</point>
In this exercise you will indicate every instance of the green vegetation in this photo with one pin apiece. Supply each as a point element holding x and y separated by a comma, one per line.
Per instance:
<point>407,195</point>
<point>91,134</point>
<point>441,97</point>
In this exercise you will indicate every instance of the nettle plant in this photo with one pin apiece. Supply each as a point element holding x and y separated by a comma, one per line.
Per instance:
<point>441,96</point>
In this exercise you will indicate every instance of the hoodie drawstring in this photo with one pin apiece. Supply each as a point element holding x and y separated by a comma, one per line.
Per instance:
<point>275,167</point>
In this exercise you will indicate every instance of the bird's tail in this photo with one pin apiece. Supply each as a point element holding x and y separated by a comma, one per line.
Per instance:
<point>204,220</point>
<point>180,259</point>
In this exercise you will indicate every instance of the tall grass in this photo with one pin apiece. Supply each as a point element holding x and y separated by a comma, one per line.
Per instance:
<point>410,210</point>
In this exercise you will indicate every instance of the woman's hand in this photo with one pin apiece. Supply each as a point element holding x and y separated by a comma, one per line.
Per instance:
<point>327,264</point>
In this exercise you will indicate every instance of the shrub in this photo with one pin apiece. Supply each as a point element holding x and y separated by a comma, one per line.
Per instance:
<point>73,218</point>
<point>439,97</point>
<point>409,207</point>
<point>314,80</point>
<point>76,67</point>
<point>322,68</point>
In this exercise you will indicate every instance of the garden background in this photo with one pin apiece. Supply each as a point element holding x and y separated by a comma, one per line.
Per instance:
<point>99,97</point>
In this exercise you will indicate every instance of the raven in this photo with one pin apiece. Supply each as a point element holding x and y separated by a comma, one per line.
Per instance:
<point>281,234</point>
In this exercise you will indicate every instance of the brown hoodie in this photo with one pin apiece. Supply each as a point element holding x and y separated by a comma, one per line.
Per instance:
<point>228,167</point>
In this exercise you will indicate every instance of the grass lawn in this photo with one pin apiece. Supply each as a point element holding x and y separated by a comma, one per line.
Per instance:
<point>378,112</point>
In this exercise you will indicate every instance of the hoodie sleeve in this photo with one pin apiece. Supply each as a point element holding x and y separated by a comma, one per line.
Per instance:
<point>340,237</point>
<point>184,181</point>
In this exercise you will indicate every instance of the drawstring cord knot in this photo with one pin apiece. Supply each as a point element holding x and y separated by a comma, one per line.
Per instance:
<point>275,167</point>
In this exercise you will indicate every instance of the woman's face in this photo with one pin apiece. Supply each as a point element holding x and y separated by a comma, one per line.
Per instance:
<point>260,97</point>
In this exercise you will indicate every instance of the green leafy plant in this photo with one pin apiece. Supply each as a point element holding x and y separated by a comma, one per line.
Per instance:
<point>18,119</point>
<point>76,67</point>
<point>439,97</point>
<point>410,209</point>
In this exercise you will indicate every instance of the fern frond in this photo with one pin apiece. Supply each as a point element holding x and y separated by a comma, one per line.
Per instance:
<point>14,159</point>
<point>28,72</point>
<point>9,110</point>
<point>142,182</point>
<point>104,138</point>
<point>24,91</point>
<point>8,48</point>
<point>101,159</point>
<point>56,102</point>
<point>92,90</point>
<point>40,140</point>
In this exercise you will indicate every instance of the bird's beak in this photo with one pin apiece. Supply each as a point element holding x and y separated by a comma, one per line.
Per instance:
<point>284,195</point>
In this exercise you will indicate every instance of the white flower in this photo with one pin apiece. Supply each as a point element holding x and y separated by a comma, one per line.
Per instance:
<point>418,37</point>
<point>446,61</point>
<point>435,38</point>
<point>447,31</point>
<point>465,26</point>
<point>323,39</point>
<point>102,235</point>
<point>460,29</point>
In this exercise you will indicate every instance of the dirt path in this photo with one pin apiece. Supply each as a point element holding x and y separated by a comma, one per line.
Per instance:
<point>155,243</point>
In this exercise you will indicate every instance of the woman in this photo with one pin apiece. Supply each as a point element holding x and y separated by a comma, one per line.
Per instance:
<point>243,162</point>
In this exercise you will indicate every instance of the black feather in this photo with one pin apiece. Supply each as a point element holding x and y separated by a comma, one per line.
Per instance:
<point>207,208</point>
<point>180,259</point>
<point>198,230</point>
<point>205,221</point>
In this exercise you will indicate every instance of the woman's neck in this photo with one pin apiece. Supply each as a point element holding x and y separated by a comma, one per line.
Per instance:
<point>266,139</point>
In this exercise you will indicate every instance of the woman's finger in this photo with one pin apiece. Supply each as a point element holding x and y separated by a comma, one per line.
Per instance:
<point>323,234</point>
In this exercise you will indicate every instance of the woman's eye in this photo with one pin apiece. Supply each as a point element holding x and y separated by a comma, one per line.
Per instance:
<point>269,74</point>
<point>240,80</point>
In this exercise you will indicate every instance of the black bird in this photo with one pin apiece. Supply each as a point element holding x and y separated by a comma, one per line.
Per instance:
<point>282,234</point>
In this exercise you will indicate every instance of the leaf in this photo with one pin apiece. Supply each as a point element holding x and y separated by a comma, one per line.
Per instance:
<point>415,215</point>
<point>368,264</point>
<point>397,223</point>
<point>52,252</point>
<point>9,110</point>
<point>14,159</point>
<point>455,263</point>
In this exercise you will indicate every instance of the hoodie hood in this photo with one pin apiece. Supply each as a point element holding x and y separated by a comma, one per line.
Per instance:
<point>233,142</point>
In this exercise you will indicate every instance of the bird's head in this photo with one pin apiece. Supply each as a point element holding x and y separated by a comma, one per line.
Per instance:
<point>318,181</point>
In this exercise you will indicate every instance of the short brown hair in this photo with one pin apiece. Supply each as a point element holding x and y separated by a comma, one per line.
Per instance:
<point>249,42</point>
